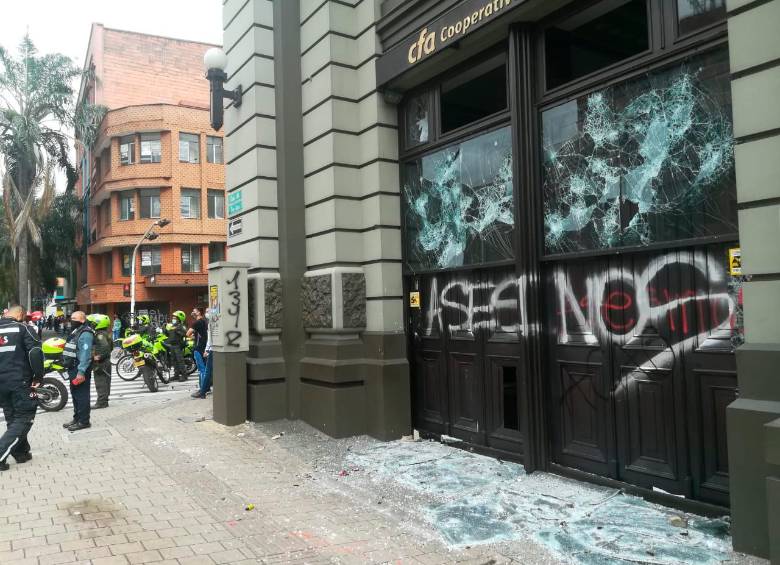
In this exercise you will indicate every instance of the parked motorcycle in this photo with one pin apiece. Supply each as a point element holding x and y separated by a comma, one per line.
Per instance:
<point>127,370</point>
<point>148,365</point>
<point>52,393</point>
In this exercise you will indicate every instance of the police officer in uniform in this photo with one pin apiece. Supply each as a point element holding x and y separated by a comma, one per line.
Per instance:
<point>21,371</point>
<point>176,332</point>
<point>101,357</point>
<point>78,356</point>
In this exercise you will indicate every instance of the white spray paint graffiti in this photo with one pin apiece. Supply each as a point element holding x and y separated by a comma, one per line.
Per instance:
<point>591,318</point>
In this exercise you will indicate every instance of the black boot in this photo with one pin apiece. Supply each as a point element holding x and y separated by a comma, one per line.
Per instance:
<point>99,405</point>
<point>79,426</point>
<point>23,457</point>
<point>66,425</point>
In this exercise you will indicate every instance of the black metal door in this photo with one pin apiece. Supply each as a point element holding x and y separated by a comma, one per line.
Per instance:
<point>466,353</point>
<point>641,367</point>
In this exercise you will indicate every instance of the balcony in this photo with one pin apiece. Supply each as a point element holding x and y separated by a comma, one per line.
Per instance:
<point>161,280</point>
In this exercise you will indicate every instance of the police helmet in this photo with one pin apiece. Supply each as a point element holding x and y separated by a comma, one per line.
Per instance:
<point>180,315</point>
<point>98,321</point>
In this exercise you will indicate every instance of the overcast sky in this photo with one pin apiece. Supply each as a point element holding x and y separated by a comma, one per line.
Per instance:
<point>63,25</point>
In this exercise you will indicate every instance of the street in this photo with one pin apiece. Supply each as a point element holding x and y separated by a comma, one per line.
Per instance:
<point>155,480</point>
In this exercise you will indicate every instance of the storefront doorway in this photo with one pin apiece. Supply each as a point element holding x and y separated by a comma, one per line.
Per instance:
<point>641,367</point>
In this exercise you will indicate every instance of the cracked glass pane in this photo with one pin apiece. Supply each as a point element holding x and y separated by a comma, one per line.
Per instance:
<point>417,114</point>
<point>459,205</point>
<point>646,161</point>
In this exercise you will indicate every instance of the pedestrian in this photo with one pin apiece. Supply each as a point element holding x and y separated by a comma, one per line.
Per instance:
<point>205,385</point>
<point>101,357</point>
<point>199,331</point>
<point>78,357</point>
<point>117,328</point>
<point>175,342</point>
<point>21,371</point>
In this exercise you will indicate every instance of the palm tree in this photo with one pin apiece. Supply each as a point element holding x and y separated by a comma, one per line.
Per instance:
<point>37,109</point>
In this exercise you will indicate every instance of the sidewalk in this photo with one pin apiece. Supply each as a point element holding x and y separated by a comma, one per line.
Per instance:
<point>156,481</point>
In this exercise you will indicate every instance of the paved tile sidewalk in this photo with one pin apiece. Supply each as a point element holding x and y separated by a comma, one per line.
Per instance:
<point>154,482</point>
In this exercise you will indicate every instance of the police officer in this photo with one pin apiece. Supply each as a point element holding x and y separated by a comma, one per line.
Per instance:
<point>176,332</point>
<point>78,357</point>
<point>143,326</point>
<point>101,358</point>
<point>21,371</point>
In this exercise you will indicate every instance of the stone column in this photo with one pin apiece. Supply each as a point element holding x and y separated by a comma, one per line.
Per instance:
<point>753,424</point>
<point>355,376</point>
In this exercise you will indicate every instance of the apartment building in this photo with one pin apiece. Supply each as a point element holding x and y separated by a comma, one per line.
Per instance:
<point>155,158</point>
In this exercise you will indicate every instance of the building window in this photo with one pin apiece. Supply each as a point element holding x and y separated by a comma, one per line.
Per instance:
<point>190,258</point>
<point>417,112</point>
<point>213,149</point>
<point>189,148</point>
<point>127,258</point>
<point>594,39</point>
<point>127,150</point>
<point>150,148</point>
<point>108,266</point>
<point>216,204</point>
<point>642,162</point>
<point>190,203</point>
<point>151,260</point>
<point>474,95</point>
<point>693,15</point>
<point>150,203</point>
<point>459,204</point>
<point>216,251</point>
<point>127,206</point>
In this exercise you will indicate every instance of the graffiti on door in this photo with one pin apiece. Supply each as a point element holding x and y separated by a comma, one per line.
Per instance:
<point>593,308</point>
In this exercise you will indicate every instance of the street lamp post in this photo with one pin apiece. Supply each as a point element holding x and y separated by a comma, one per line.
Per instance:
<point>215,62</point>
<point>150,235</point>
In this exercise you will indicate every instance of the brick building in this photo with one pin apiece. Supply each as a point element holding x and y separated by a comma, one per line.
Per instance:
<point>155,157</point>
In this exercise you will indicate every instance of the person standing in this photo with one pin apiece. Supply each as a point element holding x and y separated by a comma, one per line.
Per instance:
<point>175,342</point>
<point>101,358</point>
<point>78,356</point>
<point>116,328</point>
<point>205,385</point>
<point>199,330</point>
<point>21,371</point>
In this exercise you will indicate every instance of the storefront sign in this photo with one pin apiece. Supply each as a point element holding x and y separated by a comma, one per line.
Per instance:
<point>735,261</point>
<point>235,203</point>
<point>441,33</point>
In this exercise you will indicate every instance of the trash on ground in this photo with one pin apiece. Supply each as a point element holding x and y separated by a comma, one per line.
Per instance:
<point>249,507</point>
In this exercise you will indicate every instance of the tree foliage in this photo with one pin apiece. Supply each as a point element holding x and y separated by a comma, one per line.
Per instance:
<point>37,114</point>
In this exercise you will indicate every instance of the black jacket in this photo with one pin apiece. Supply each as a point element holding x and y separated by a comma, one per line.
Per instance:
<point>21,357</point>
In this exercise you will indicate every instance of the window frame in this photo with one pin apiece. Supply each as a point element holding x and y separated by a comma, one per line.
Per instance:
<point>123,141</point>
<point>190,247</point>
<point>126,252</point>
<point>156,252</point>
<point>142,196</point>
<point>108,266</point>
<point>666,50</point>
<point>152,138</point>
<point>189,143</point>
<point>190,193</point>
<point>131,199</point>
<point>222,253</point>
<point>210,150</point>
<point>213,192</point>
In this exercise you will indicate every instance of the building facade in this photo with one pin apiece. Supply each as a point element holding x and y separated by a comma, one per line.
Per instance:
<point>155,157</point>
<point>537,226</point>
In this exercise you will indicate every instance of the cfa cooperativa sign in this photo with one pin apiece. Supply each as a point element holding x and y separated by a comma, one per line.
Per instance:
<point>455,24</point>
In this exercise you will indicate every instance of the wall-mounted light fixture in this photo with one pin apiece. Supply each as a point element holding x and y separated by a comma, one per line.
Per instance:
<point>215,62</point>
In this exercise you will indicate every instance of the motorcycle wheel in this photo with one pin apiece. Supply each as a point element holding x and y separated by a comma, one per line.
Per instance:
<point>150,378</point>
<point>52,394</point>
<point>126,369</point>
<point>116,354</point>
<point>189,365</point>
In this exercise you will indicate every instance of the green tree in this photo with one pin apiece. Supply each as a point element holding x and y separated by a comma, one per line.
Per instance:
<point>37,110</point>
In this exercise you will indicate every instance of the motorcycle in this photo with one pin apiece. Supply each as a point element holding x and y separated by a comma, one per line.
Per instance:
<point>52,393</point>
<point>128,372</point>
<point>148,365</point>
